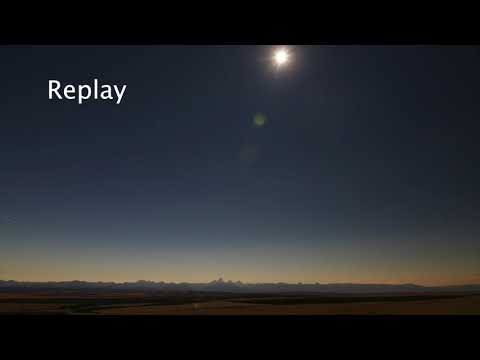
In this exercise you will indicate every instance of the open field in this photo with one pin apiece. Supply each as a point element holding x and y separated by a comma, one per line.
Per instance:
<point>137,303</point>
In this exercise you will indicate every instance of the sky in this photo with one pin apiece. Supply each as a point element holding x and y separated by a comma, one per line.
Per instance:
<point>363,168</point>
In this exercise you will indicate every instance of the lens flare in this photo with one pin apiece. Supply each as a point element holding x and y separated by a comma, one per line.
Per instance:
<point>281,57</point>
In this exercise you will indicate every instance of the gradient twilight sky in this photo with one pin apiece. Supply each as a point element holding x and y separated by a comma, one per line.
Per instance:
<point>366,169</point>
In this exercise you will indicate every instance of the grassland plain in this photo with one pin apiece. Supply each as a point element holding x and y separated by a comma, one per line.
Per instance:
<point>136,303</point>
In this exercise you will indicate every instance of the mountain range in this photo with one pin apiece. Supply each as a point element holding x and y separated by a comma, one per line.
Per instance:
<point>238,287</point>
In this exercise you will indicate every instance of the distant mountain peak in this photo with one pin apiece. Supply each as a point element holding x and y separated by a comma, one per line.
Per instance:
<point>219,281</point>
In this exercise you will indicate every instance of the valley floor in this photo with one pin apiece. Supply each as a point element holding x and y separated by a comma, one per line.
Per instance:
<point>234,304</point>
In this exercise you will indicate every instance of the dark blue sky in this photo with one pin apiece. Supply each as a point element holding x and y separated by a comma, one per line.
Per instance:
<point>366,169</point>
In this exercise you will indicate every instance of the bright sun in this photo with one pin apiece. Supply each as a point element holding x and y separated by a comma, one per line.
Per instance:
<point>281,57</point>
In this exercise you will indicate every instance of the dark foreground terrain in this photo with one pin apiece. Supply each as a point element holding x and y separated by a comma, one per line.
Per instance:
<point>81,302</point>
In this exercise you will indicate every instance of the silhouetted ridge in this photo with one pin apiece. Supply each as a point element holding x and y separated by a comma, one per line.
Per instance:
<point>229,286</point>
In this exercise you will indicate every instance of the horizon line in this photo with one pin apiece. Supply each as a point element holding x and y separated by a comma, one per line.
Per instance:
<point>235,282</point>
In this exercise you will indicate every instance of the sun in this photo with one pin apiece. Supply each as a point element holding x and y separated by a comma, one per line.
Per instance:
<point>281,57</point>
